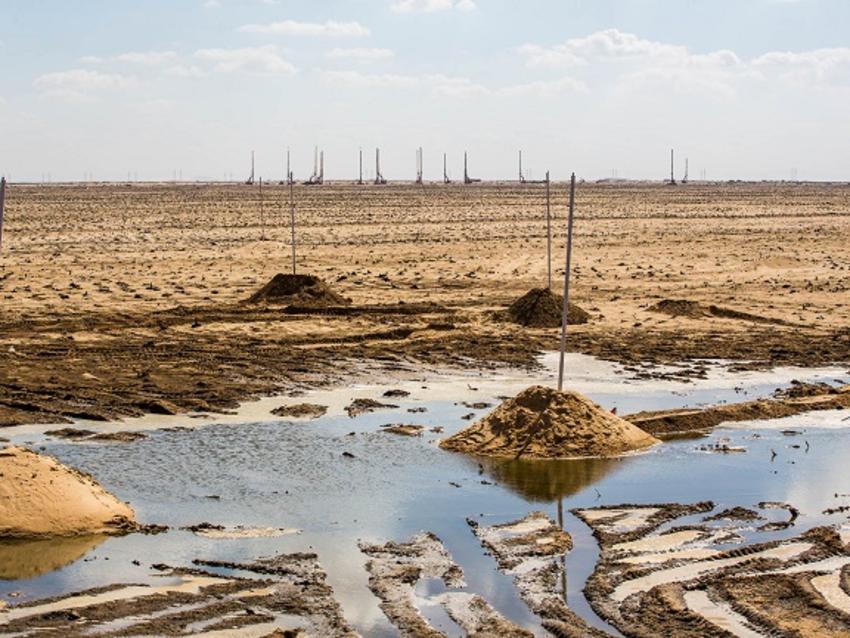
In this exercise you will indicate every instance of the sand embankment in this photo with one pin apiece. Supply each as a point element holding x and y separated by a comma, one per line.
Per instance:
<point>41,497</point>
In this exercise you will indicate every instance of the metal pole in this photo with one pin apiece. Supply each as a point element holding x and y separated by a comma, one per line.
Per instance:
<point>292,223</point>
<point>262,213</point>
<point>548,236</point>
<point>566,308</point>
<point>2,207</point>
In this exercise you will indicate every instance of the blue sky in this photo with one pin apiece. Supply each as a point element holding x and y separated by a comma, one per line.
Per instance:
<point>746,89</point>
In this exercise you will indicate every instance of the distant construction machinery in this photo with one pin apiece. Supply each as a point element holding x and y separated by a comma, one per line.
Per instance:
<point>288,179</point>
<point>360,179</point>
<point>685,178</point>
<point>521,175</point>
<point>379,178</point>
<point>250,180</point>
<point>318,176</point>
<point>419,165</point>
<point>466,178</point>
<point>672,181</point>
<point>446,179</point>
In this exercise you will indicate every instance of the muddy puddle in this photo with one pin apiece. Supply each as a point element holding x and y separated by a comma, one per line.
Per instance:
<point>340,481</point>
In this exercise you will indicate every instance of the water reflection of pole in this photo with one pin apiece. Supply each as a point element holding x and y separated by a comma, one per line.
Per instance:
<point>564,557</point>
<point>567,283</point>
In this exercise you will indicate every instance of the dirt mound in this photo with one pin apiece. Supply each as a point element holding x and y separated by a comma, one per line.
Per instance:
<point>41,497</point>
<point>697,310</point>
<point>301,290</point>
<point>541,308</point>
<point>546,424</point>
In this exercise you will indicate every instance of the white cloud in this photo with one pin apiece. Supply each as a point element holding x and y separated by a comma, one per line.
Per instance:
<point>430,6</point>
<point>545,88</point>
<point>330,28</point>
<point>186,71</point>
<point>265,59</point>
<point>610,44</point>
<point>146,57</point>
<point>451,86</point>
<point>370,80</point>
<point>360,54</point>
<point>80,84</point>
<point>819,66</point>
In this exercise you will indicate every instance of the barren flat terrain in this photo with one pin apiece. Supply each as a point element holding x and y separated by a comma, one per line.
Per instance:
<point>123,299</point>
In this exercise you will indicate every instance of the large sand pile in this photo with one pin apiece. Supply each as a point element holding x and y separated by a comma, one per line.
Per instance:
<point>41,497</point>
<point>543,423</point>
<point>541,308</point>
<point>300,290</point>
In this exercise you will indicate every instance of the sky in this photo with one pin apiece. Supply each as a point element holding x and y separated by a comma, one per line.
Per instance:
<point>111,89</point>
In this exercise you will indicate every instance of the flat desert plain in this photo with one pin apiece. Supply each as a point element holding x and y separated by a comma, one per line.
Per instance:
<point>121,299</point>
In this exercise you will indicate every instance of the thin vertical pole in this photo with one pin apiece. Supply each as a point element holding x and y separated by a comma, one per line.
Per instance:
<point>288,171</point>
<point>672,176</point>
<point>2,207</point>
<point>262,213</point>
<point>360,181</point>
<point>292,223</point>
<point>548,236</point>
<point>565,311</point>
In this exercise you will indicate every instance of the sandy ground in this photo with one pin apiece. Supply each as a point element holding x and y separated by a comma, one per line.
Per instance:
<point>41,497</point>
<point>123,299</point>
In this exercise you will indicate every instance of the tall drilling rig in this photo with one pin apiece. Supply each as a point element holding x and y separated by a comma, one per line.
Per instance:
<point>419,165</point>
<point>379,178</point>
<point>521,175</point>
<point>318,176</point>
<point>466,178</point>
<point>446,179</point>
<point>250,180</point>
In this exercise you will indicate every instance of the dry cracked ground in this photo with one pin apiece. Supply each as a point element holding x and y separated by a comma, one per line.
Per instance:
<point>124,299</point>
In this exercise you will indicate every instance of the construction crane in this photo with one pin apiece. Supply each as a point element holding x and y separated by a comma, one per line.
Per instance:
<point>379,179</point>
<point>466,178</point>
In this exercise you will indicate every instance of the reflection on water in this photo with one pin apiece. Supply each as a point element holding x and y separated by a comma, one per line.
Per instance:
<point>28,558</point>
<point>548,481</point>
<point>341,480</point>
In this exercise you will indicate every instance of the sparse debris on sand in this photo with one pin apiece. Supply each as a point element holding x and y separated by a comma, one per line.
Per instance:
<point>396,568</point>
<point>301,290</point>
<point>543,423</point>
<point>301,411</point>
<point>541,308</point>
<point>532,550</point>
<point>362,406</point>
<point>41,497</point>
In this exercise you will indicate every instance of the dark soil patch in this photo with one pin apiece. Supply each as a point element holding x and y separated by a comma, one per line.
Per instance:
<point>300,290</point>
<point>697,310</point>
<point>301,410</point>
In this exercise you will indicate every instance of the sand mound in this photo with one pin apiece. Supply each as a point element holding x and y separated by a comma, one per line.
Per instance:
<point>302,290</point>
<point>697,310</point>
<point>546,424</point>
<point>41,497</point>
<point>541,308</point>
